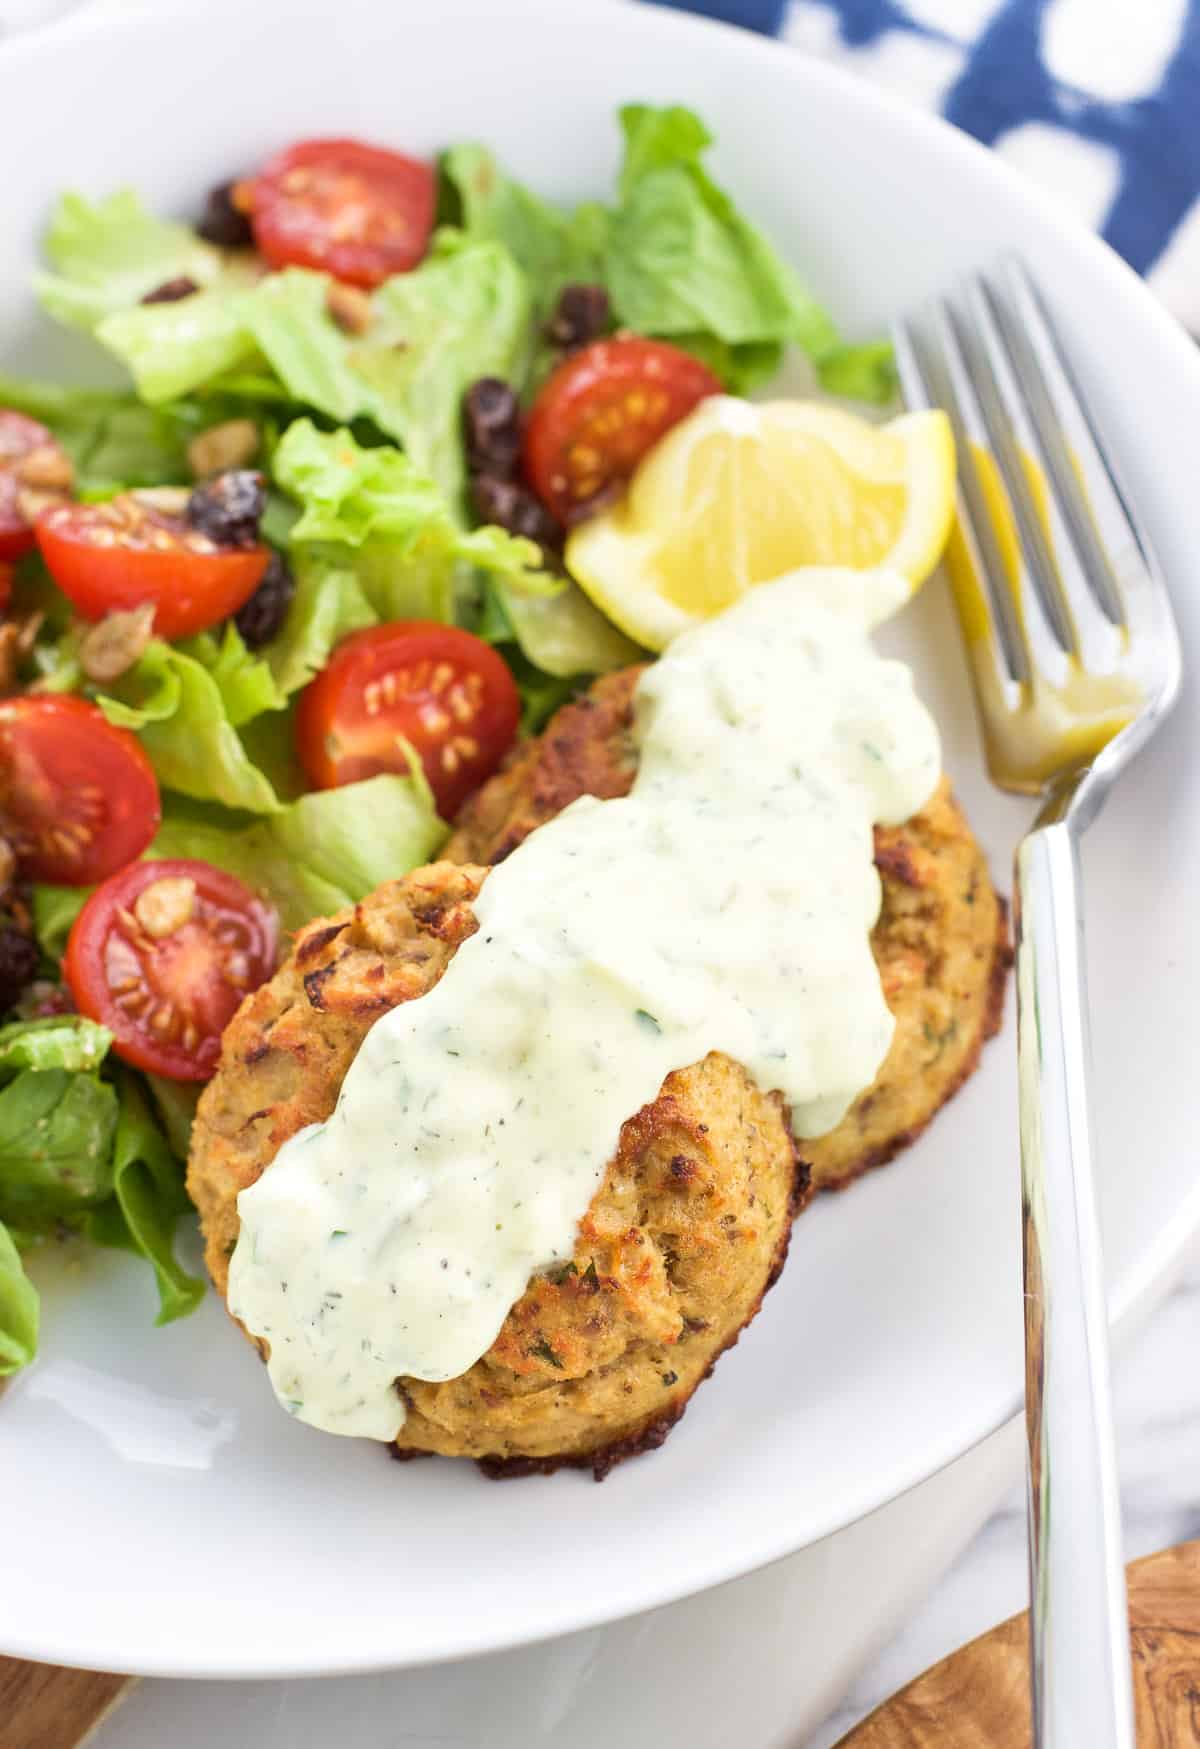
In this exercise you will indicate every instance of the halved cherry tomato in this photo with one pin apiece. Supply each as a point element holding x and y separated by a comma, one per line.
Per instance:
<point>79,795</point>
<point>355,211</point>
<point>162,954</point>
<point>600,411</point>
<point>445,692</point>
<point>140,547</point>
<point>26,448</point>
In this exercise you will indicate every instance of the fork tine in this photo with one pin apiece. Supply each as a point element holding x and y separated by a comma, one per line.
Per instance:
<point>1074,653</point>
<point>1106,538</point>
<point>1008,604</point>
<point>1012,437</point>
<point>921,390</point>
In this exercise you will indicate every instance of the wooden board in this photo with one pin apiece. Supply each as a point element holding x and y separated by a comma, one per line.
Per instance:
<point>43,1706</point>
<point>978,1698</point>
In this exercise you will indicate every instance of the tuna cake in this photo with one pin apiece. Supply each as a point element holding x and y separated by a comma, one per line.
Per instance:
<point>689,1227</point>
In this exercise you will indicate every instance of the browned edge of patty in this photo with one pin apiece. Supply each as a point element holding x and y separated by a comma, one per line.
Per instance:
<point>1002,960</point>
<point>655,1428</point>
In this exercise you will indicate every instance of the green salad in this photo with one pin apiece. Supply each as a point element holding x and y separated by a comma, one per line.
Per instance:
<point>276,604</point>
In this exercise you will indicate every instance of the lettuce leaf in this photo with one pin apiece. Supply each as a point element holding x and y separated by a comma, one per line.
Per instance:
<point>175,1102</point>
<point>19,1310</point>
<point>329,604</point>
<point>678,258</point>
<point>112,438</point>
<point>148,1199</point>
<point>553,247</point>
<point>80,1148</point>
<point>287,316</point>
<point>322,851</point>
<point>742,368</point>
<point>566,636</point>
<point>54,911</point>
<point>462,315</point>
<point>681,259</point>
<point>57,1121</point>
<point>375,541</point>
<point>246,683</point>
<point>860,373</point>
<point>269,340</point>
<point>67,1041</point>
<point>541,694</point>
<point>374,514</point>
<point>325,851</point>
<point>683,262</point>
<point>56,1134</point>
<point>178,708</point>
<point>171,349</point>
<point>108,254</point>
<point>270,742</point>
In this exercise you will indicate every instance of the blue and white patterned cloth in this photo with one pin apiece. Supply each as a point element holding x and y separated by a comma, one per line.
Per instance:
<point>1098,100</point>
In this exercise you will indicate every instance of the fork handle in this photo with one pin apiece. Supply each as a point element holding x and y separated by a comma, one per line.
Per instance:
<point>1079,1623</point>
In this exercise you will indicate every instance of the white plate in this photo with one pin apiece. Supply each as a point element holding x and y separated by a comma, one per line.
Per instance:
<point>159,1513</point>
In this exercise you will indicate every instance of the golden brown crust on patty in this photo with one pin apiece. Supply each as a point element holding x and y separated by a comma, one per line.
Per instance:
<point>942,947</point>
<point>688,1228</point>
<point>941,942</point>
<point>690,1225</point>
<point>586,749</point>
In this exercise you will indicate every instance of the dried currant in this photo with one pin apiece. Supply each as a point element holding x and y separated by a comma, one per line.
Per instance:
<point>18,964</point>
<point>581,314</point>
<point>514,507</point>
<point>492,427</point>
<point>224,222</point>
<point>229,507</point>
<point>172,290</point>
<point>262,617</point>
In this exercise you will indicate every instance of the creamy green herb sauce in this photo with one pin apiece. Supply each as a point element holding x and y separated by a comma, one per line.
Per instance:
<point>726,904</point>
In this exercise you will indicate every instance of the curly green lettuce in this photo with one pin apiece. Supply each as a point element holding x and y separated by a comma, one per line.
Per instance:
<point>147,1201</point>
<point>19,1309</point>
<point>80,1150</point>
<point>677,256</point>
<point>324,851</point>
<point>186,714</point>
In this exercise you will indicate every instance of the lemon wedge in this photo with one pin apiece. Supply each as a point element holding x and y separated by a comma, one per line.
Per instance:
<point>739,493</point>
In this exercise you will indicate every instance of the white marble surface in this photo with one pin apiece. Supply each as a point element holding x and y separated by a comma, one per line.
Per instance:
<point>1156,1382</point>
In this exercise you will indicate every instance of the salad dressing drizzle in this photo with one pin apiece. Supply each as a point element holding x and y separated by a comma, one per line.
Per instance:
<point>724,905</point>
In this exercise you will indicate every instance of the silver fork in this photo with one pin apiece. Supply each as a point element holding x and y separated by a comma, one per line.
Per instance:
<point>1075,661</point>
